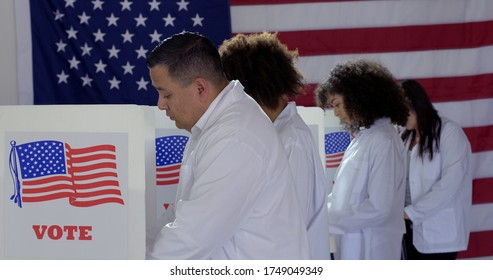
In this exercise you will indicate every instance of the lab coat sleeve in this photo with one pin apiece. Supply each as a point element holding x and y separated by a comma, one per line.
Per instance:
<point>455,151</point>
<point>225,188</point>
<point>153,230</point>
<point>303,176</point>
<point>385,172</point>
<point>312,191</point>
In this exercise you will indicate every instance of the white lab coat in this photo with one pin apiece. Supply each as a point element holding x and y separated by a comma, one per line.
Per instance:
<point>236,197</point>
<point>441,193</point>
<point>309,175</point>
<point>367,201</point>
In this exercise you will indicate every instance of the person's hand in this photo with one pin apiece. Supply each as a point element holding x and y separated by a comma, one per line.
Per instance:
<point>406,217</point>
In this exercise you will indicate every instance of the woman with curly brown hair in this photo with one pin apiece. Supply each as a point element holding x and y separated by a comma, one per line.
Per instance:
<point>265,67</point>
<point>367,200</point>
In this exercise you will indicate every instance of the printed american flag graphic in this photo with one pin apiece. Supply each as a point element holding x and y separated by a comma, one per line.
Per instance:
<point>90,52</point>
<point>49,170</point>
<point>335,145</point>
<point>169,155</point>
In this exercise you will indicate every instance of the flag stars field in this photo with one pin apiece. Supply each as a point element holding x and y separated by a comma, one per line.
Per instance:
<point>155,36</point>
<point>141,52</point>
<point>86,80</point>
<point>112,20</point>
<point>86,49</point>
<point>126,5</point>
<point>113,52</point>
<point>142,83</point>
<point>74,63</point>
<point>100,66</point>
<point>99,36</point>
<point>69,3</point>
<point>62,77</point>
<point>128,68</point>
<point>72,33</point>
<point>169,20</point>
<point>114,83</point>
<point>98,4</point>
<point>84,19</point>
<point>61,46</point>
<point>182,5</point>
<point>58,15</point>
<point>127,36</point>
<point>154,5</point>
<point>141,20</point>
<point>197,20</point>
<point>106,44</point>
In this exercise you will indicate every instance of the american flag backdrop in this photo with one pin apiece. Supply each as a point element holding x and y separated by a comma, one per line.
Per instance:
<point>49,170</point>
<point>90,52</point>
<point>169,155</point>
<point>446,44</point>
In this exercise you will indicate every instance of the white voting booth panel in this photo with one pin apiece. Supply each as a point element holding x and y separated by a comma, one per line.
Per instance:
<point>73,181</point>
<point>169,147</point>
<point>336,142</point>
<point>170,144</point>
<point>314,118</point>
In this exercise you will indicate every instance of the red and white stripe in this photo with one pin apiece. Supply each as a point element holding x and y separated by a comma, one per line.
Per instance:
<point>168,175</point>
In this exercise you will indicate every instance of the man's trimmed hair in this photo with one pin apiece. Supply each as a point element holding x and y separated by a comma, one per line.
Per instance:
<point>188,56</point>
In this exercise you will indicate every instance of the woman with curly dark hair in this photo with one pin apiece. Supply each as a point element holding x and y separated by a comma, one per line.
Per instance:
<point>367,200</point>
<point>265,67</point>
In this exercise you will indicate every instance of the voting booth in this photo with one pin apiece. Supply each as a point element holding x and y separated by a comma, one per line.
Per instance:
<point>73,181</point>
<point>314,118</point>
<point>170,145</point>
<point>166,161</point>
<point>86,182</point>
<point>336,141</point>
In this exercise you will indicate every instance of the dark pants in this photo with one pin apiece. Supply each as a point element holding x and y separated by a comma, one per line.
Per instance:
<point>410,252</point>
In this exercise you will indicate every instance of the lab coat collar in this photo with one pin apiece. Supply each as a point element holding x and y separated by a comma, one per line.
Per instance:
<point>378,123</point>
<point>381,122</point>
<point>227,96</point>
<point>286,114</point>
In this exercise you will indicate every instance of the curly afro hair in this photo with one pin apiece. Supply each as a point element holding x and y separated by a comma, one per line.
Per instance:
<point>264,66</point>
<point>369,92</point>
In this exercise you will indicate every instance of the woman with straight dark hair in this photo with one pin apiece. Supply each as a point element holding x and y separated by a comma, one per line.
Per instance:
<point>439,185</point>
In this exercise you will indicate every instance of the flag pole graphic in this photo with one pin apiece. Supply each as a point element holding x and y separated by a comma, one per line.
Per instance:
<point>14,173</point>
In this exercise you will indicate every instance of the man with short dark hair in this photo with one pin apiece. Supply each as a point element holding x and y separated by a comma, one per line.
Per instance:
<point>235,198</point>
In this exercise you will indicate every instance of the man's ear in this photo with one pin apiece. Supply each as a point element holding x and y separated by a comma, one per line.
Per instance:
<point>203,89</point>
